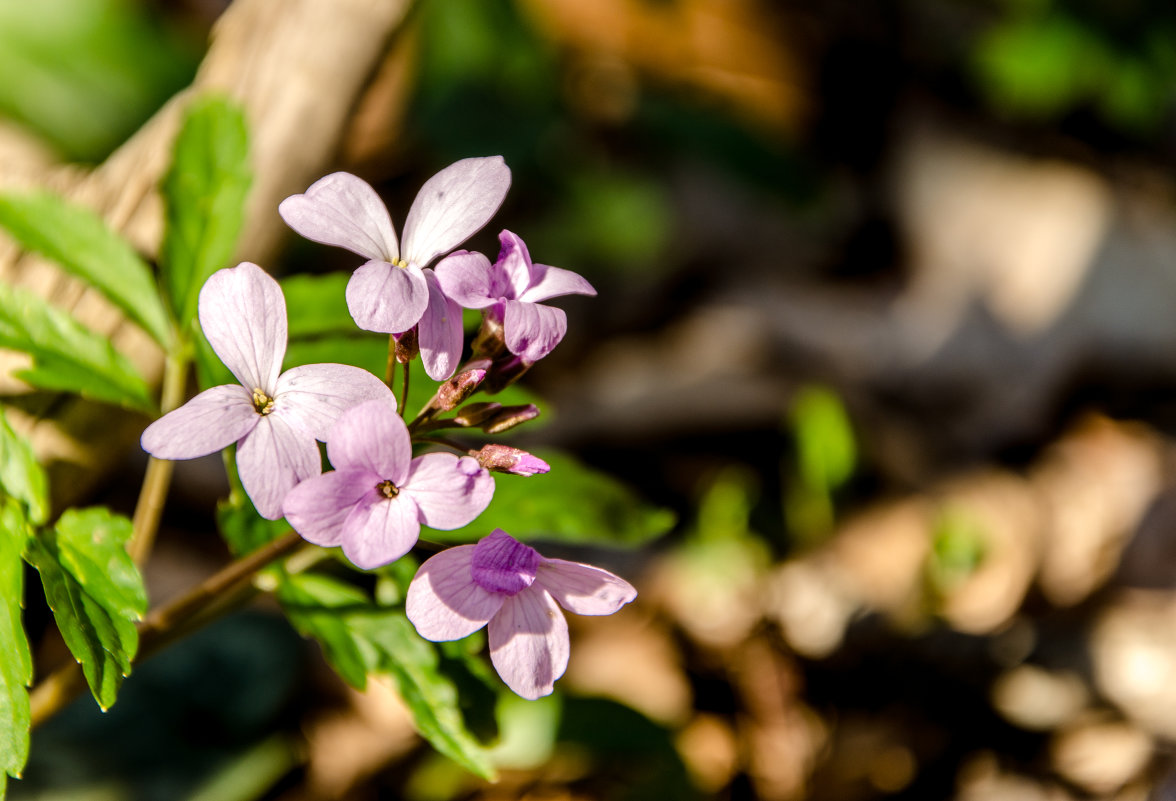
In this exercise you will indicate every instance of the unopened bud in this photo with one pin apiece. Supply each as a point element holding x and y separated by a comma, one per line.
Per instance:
<point>474,414</point>
<point>510,416</point>
<point>489,343</point>
<point>406,346</point>
<point>454,392</point>
<point>505,459</point>
<point>505,372</point>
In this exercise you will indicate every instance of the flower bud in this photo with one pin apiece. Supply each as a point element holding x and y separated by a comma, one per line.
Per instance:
<point>505,459</point>
<point>508,417</point>
<point>406,346</point>
<point>505,372</point>
<point>454,392</point>
<point>475,414</point>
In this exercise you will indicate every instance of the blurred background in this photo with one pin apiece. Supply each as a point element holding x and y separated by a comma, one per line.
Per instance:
<point>885,318</point>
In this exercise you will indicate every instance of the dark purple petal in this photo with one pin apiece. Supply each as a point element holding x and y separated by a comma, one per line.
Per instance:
<point>387,299</point>
<point>449,491</point>
<point>584,589</point>
<point>214,419</point>
<point>243,314</point>
<point>512,271</point>
<point>551,282</point>
<point>443,603</point>
<point>529,644</point>
<point>452,206</point>
<point>465,277</point>
<point>439,332</point>
<point>372,437</point>
<point>313,396</point>
<point>380,531</point>
<point>532,330</point>
<point>344,211</point>
<point>318,507</point>
<point>272,459</point>
<point>503,564</point>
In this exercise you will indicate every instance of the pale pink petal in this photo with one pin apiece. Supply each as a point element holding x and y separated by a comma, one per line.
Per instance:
<point>372,437</point>
<point>272,459</point>
<point>452,206</point>
<point>584,589</point>
<point>318,507</point>
<point>532,330</point>
<point>243,315</point>
<point>550,282</point>
<point>449,491</point>
<point>465,277</point>
<point>380,530</point>
<point>512,271</point>
<point>529,642</point>
<point>344,211</point>
<point>314,395</point>
<point>214,419</point>
<point>503,564</point>
<point>444,603</point>
<point>387,299</point>
<point>439,333</point>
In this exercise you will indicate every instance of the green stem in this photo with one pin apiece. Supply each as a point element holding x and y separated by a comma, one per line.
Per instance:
<point>404,391</point>
<point>390,368</point>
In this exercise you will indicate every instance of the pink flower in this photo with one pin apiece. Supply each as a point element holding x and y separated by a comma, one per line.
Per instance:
<point>375,501</point>
<point>509,586</point>
<point>393,291</point>
<point>274,419</point>
<point>510,291</point>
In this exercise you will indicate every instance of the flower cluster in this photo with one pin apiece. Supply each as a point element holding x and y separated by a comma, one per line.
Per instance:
<point>374,501</point>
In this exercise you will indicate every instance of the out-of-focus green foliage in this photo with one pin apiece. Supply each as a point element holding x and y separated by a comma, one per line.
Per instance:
<point>16,665</point>
<point>826,455</point>
<point>958,548</point>
<point>21,478</point>
<point>85,74</point>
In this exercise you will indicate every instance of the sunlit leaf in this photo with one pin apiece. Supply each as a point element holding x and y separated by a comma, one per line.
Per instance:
<point>20,475</point>
<point>317,607</point>
<point>66,355</point>
<point>96,593</point>
<point>204,197</point>
<point>80,241</point>
<point>16,667</point>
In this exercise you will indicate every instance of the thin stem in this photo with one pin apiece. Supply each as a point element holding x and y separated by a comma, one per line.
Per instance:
<point>445,443</point>
<point>390,368</point>
<point>164,624</point>
<point>157,478</point>
<point>404,391</point>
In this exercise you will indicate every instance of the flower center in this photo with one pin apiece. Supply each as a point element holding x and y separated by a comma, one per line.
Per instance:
<point>503,565</point>
<point>401,263</point>
<point>388,489</point>
<point>262,403</point>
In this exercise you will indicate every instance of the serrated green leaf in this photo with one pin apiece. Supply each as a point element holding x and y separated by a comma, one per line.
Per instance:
<point>316,606</point>
<point>204,197</point>
<point>66,355</point>
<point>80,241</point>
<point>95,592</point>
<point>16,666</point>
<point>20,475</point>
<point>572,503</point>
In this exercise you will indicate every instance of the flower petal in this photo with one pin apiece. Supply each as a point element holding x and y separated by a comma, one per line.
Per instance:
<point>380,530</point>
<point>314,395</point>
<point>584,589</point>
<point>465,276</point>
<point>449,491</point>
<point>318,507</point>
<point>344,211</point>
<point>371,437</point>
<point>243,315</point>
<point>272,459</point>
<point>550,282</point>
<point>444,603</point>
<point>529,642</point>
<point>452,206</point>
<point>387,299</point>
<point>532,330</point>
<point>512,271</point>
<point>439,332</point>
<point>503,564</point>
<point>214,419</point>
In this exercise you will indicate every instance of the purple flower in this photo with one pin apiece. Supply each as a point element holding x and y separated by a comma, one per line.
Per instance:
<point>375,501</point>
<point>393,291</point>
<point>510,291</point>
<point>274,419</point>
<point>509,586</point>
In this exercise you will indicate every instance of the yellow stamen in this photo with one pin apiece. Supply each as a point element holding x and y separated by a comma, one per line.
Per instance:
<point>262,403</point>
<point>388,489</point>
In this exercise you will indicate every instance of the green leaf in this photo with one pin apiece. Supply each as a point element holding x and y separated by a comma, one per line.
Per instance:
<point>360,638</point>
<point>317,305</point>
<point>204,197</point>
<point>20,475</point>
<point>66,355</point>
<point>16,665</point>
<point>96,594</point>
<point>242,528</point>
<point>80,241</point>
<point>825,448</point>
<point>572,503</point>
